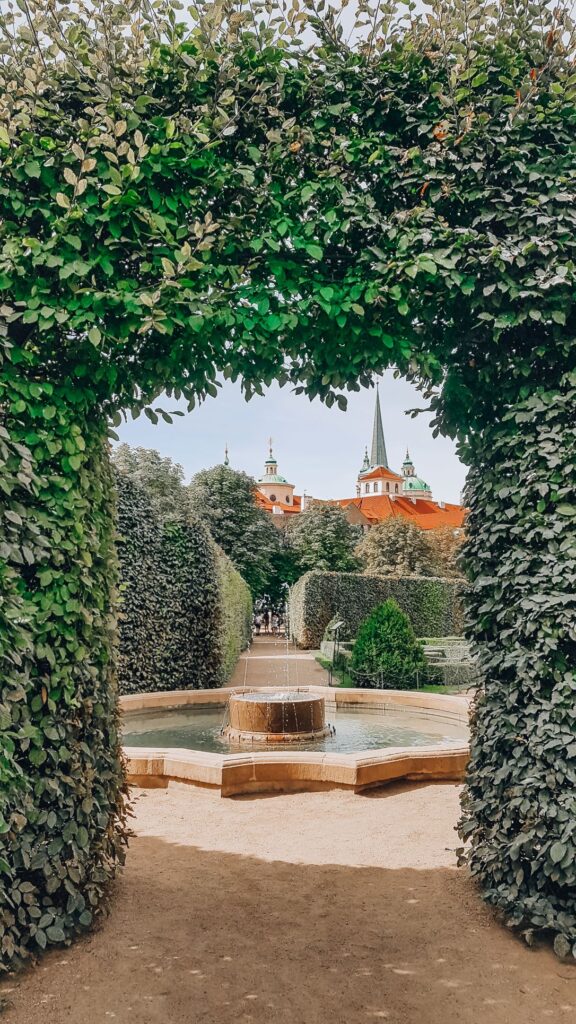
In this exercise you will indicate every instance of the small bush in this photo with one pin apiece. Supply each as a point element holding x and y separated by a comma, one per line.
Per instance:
<point>386,653</point>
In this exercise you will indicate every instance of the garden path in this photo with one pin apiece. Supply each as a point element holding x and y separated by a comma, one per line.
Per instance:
<point>271,661</point>
<point>304,908</point>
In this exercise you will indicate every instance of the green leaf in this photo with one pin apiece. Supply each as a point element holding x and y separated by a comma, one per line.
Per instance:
<point>82,836</point>
<point>429,266</point>
<point>557,852</point>
<point>314,250</point>
<point>32,169</point>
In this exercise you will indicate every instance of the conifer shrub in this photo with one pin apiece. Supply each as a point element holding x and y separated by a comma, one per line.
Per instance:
<point>386,653</point>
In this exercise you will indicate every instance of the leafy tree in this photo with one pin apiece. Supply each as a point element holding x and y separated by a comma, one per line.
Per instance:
<point>322,538</point>
<point>284,571</point>
<point>397,547</point>
<point>225,500</point>
<point>447,545</point>
<point>386,652</point>
<point>162,479</point>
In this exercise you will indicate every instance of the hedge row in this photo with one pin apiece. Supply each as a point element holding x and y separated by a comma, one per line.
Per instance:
<point>432,604</point>
<point>185,611</point>
<point>235,614</point>
<point>61,782</point>
<point>519,808</point>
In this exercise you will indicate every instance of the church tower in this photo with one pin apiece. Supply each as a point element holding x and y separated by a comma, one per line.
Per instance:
<point>274,486</point>
<point>413,486</point>
<point>376,477</point>
<point>378,456</point>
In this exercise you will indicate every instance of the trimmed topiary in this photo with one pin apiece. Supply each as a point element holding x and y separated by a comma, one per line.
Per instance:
<point>433,605</point>
<point>236,610</point>
<point>62,814</point>
<point>186,613</point>
<point>387,654</point>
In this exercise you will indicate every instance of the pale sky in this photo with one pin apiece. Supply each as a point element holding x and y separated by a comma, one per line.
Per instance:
<point>319,450</point>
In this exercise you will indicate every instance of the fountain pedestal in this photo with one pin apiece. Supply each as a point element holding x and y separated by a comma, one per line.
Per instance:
<point>275,717</point>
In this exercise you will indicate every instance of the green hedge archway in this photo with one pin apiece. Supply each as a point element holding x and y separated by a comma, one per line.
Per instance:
<point>180,202</point>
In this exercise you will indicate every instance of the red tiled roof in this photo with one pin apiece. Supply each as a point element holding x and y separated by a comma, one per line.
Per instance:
<point>381,473</point>
<point>268,505</point>
<point>425,513</point>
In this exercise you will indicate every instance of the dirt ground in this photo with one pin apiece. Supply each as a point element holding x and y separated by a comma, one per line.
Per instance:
<point>312,908</point>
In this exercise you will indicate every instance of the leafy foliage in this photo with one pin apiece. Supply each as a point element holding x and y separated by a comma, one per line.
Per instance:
<point>162,479</point>
<point>522,617</point>
<point>235,619</point>
<point>447,548</point>
<point>224,499</point>
<point>432,605</point>
<point>396,547</point>
<point>178,202</point>
<point>61,804</point>
<point>322,538</point>
<point>386,653</point>
<point>185,613</point>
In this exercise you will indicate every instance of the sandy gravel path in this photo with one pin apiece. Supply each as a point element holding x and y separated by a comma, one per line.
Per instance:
<point>312,908</point>
<point>270,661</point>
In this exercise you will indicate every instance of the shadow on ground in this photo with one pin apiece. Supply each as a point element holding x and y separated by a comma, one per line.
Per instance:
<point>205,937</point>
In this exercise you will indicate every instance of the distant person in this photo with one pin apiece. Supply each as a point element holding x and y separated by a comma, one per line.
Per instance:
<point>266,618</point>
<point>275,624</point>
<point>257,625</point>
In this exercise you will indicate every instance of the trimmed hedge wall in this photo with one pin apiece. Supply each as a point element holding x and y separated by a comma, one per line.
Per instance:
<point>235,614</point>
<point>519,807</point>
<point>62,816</point>
<point>433,605</point>
<point>185,611</point>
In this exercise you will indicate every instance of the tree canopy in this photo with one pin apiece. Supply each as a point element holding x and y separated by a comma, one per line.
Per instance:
<point>212,204</point>
<point>322,538</point>
<point>224,499</point>
<point>396,547</point>
<point>162,479</point>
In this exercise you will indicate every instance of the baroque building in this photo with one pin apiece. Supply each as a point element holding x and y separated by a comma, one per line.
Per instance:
<point>274,493</point>
<point>381,492</point>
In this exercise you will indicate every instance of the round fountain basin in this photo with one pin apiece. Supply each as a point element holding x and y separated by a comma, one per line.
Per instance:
<point>275,718</point>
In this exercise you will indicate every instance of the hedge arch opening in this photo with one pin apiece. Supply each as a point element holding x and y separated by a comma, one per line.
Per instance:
<point>180,202</point>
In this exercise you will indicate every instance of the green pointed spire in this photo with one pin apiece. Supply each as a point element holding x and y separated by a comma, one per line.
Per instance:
<point>378,456</point>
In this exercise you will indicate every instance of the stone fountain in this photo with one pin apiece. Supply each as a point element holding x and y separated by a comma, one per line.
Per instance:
<point>275,717</point>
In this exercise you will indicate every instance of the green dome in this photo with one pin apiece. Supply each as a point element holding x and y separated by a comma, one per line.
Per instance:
<point>272,478</point>
<point>415,483</point>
